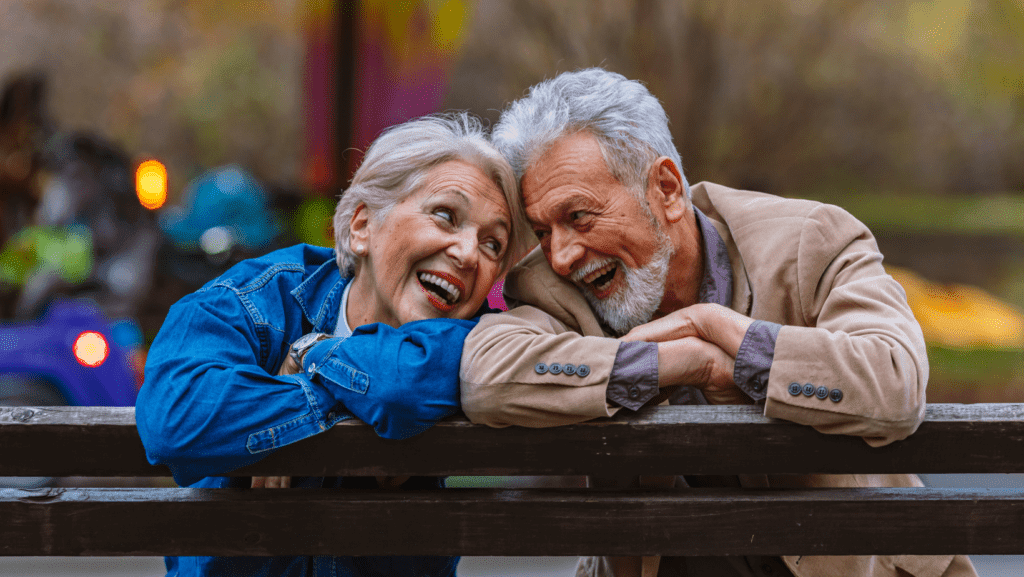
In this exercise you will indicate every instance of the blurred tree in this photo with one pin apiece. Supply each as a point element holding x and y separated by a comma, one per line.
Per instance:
<point>789,98</point>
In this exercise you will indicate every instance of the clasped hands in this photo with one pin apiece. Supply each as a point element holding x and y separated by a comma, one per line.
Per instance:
<point>697,346</point>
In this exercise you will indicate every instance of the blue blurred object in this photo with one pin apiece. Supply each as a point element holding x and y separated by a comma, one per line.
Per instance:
<point>223,208</point>
<point>73,348</point>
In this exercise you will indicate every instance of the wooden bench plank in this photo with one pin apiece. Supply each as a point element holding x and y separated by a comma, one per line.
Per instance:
<point>983,438</point>
<point>510,522</point>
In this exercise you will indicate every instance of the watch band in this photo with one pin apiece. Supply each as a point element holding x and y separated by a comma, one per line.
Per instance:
<point>302,345</point>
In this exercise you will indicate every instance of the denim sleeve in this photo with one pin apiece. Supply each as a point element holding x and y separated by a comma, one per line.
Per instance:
<point>754,359</point>
<point>634,378</point>
<point>399,380</point>
<point>210,404</point>
<point>207,398</point>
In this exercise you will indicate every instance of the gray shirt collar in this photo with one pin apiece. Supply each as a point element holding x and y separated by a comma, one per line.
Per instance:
<point>716,286</point>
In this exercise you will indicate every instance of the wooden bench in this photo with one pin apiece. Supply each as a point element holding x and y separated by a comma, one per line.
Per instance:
<point>102,442</point>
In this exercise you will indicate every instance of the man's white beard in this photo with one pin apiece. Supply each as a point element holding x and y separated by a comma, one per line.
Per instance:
<point>636,302</point>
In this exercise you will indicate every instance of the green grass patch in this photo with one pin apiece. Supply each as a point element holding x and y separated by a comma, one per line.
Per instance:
<point>1001,214</point>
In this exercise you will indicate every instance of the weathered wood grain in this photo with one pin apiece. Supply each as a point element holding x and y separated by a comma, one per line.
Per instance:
<point>984,438</point>
<point>509,522</point>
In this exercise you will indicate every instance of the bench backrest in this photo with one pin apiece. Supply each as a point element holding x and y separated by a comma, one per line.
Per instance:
<point>103,442</point>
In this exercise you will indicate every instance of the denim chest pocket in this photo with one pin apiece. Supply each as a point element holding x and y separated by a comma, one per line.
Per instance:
<point>342,375</point>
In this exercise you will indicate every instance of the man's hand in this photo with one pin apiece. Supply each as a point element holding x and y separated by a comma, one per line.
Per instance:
<point>697,346</point>
<point>697,363</point>
<point>709,322</point>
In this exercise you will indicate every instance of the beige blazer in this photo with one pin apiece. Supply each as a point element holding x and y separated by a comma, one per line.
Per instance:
<point>808,266</point>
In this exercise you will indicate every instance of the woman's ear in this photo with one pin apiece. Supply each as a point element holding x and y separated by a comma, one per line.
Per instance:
<point>359,231</point>
<point>668,191</point>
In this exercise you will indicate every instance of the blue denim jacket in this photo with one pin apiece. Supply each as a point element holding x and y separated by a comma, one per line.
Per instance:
<point>211,402</point>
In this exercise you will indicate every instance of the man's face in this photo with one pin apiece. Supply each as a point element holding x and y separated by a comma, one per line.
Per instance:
<point>596,233</point>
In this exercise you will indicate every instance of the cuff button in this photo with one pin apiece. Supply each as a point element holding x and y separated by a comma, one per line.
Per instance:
<point>809,390</point>
<point>634,392</point>
<point>582,371</point>
<point>836,395</point>
<point>569,369</point>
<point>795,388</point>
<point>821,393</point>
<point>555,368</point>
<point>540,368</point>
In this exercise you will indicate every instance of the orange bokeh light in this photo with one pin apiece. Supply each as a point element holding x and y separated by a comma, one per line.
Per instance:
<point>91,349</point>
<point>151,184</point>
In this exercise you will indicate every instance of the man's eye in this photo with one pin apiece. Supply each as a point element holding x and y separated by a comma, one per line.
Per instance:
<point>578,215</point>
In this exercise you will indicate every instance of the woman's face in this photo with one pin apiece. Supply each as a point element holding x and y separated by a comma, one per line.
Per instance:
<point>435,254</point>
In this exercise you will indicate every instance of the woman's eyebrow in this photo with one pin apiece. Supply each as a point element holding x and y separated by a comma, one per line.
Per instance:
<point>455,192</point>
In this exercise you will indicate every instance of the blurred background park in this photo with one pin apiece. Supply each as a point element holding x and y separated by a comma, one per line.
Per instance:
<point>909,114</point>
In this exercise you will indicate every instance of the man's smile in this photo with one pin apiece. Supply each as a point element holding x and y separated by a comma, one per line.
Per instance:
<point>598,277</point>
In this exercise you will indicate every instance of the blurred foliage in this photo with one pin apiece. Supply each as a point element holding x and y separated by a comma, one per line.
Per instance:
<point>908,113</point>
<point>788,97</point>
<point>996,214</point>
<point>960,316</point>
<point>195,83</point>
<point>975,341</point>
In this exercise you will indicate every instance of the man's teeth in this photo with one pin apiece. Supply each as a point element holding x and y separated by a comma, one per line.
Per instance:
<point>593,275</point>
<point>450,292</point>
<point>608,269</point>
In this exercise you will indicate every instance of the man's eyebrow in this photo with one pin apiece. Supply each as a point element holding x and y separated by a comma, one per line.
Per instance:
<point>566,205</point>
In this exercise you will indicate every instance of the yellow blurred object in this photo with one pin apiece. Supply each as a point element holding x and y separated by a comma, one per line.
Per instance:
<point>151,184</point>
<point>961,316</point>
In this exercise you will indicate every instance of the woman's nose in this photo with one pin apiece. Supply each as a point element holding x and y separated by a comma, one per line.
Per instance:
<point>463,250</point>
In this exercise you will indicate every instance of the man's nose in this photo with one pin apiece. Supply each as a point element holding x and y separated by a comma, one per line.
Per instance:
<point>564,252</point>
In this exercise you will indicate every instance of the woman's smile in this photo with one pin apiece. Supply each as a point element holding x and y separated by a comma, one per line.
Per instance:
<point>434,254</point>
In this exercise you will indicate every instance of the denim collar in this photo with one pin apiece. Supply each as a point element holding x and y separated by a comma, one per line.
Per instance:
<point>716,286</point>
<point>319,296</point>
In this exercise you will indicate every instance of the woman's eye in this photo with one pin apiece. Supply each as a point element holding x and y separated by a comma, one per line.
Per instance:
<point>493,246</point>
<point>540,234</point>
<point>446,214</point>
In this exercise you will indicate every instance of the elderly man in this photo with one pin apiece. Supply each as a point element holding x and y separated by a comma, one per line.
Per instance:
<point>728,296</point>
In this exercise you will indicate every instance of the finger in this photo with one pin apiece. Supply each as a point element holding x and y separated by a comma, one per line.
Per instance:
<point>286,482</point>
<point>259,482</point>
<point>289,367</point>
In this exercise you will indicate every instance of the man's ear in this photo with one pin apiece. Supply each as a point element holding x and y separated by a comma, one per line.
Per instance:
<point>667,185</point>
<point>359,231</point>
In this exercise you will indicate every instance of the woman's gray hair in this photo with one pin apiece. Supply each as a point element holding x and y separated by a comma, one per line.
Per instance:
<point>399,159</point>
<point>628,122</point>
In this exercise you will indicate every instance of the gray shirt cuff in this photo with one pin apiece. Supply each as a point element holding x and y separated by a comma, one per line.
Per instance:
<point>754,359</point>
<point>634,378</point>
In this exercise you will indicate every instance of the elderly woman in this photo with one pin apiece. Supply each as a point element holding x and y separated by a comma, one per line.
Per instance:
<point>429,223</point>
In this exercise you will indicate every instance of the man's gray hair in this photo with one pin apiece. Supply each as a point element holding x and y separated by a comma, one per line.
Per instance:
<point>628,122</point>
<point>399,159</point>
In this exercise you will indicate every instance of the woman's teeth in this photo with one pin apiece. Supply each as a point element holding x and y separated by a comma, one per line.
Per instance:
<point>441,287</point>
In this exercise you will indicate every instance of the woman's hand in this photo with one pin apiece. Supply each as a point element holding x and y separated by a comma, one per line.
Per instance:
<point>288,367</point>
<point>271,482</point>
